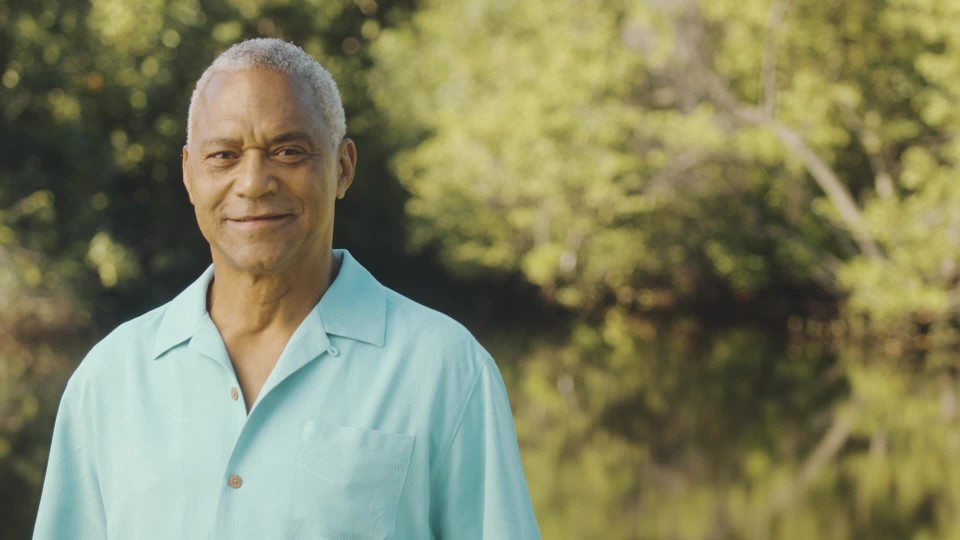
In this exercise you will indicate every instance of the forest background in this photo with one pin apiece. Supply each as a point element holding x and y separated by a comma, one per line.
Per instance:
<point>712,244</point>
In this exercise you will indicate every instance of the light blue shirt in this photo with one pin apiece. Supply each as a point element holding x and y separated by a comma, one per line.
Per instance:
<point>381,419</point>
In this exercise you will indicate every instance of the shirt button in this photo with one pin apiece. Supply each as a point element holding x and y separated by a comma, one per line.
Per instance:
<point>234,394</point>
<point>332,351</point>
<point>235,481</point>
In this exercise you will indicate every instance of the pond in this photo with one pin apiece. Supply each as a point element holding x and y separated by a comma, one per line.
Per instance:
<point>681,430</point>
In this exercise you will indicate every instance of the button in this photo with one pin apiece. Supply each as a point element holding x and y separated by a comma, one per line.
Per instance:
<point>234,394</point>
<point>235,481</point>
<point>332,351</point>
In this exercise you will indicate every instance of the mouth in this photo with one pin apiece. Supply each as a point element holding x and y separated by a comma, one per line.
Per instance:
<point>260,220</point>
<point>257,217</point>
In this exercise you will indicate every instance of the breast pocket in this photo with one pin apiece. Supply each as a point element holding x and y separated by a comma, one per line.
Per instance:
<point>349,481</point>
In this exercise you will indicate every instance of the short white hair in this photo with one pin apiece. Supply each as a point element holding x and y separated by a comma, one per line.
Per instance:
<point>286,58</point>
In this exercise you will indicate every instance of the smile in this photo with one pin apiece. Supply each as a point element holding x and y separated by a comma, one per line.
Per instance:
<point>252,222</point>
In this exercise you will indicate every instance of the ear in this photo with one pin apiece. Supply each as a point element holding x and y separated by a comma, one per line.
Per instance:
<point>186,175</point>
<point>347,158</point>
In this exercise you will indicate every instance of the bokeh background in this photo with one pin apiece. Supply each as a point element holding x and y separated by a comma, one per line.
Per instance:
<point>712,244</point>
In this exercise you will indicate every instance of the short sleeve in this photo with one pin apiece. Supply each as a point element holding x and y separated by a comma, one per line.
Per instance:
<point>479,489</point>
<point>71,505</point>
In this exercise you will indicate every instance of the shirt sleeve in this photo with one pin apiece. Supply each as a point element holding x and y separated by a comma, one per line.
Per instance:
<point>478,490</point>
<point>71,505</point>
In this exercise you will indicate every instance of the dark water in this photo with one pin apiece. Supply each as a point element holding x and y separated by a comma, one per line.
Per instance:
<point>647,429</point>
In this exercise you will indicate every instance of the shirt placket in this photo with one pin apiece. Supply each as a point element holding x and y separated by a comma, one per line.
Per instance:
<point>239,486</point>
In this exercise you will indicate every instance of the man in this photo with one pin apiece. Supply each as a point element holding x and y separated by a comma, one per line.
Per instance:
<point>286,393</point>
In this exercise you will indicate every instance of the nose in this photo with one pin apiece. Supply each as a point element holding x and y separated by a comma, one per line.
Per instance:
<point>254,178</point>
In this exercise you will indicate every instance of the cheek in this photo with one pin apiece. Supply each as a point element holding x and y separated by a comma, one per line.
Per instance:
<point>206,199</point>
<point>206,211</point>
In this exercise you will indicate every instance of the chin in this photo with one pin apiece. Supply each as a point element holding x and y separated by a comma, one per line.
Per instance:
<point>265,257</point>
<point>256,263</point>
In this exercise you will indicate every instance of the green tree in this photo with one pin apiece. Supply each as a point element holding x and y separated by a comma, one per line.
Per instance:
<point>605,148</point>
<point>632,157</point>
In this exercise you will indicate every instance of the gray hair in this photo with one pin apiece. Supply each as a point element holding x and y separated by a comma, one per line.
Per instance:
<point>286,58</point>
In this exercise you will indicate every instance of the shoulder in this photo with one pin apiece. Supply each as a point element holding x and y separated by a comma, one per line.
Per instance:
<point>432,336</point>
<point>428,326</point>
<point>127,345</point>
<point>410,315</point>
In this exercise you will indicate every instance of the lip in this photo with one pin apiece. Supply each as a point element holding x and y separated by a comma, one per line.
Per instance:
<point>252,222</point>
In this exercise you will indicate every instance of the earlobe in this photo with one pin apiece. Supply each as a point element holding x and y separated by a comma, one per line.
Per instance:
<point>348,166</point>
<point>342,184</point>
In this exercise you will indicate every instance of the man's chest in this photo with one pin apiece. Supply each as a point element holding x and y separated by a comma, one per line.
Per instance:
<point>252,364</point>
<point>328,451</point>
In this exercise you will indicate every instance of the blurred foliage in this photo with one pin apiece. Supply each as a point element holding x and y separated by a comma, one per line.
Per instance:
<point>39,326</point>
<point>94,102</point>
<point>611,149</point>
<point>633,158</point>
<point>714,245</point>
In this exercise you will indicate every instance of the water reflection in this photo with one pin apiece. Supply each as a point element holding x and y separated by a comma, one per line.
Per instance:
<point>680,430</point>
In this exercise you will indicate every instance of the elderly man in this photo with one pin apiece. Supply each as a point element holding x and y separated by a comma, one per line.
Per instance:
<point>285,393</point>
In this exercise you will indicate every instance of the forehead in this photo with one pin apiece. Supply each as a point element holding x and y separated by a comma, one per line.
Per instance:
<point>257,103</point>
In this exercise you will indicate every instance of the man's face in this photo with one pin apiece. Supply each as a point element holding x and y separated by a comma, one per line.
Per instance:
<point>263,173</point>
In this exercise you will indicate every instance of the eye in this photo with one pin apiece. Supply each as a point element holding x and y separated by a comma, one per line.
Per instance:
<point>290,154</point>
<point>222,155</point>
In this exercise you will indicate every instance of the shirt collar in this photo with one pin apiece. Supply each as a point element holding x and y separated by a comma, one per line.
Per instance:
<point>182,314</point>
<point>354,307</point>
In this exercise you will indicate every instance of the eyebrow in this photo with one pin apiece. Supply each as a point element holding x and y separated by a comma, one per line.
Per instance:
<point>288,136</point>
<point>220,141</point>
<point>291,136</point>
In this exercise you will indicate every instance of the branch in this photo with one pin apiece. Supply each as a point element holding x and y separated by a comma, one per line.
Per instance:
<point>689,55</point>
<point>825,177</point>
<point>823,453</point>
<point>831,185</point>
<point>769,70</point>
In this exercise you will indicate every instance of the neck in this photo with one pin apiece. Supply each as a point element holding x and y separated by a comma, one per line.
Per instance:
<point>248,303</point>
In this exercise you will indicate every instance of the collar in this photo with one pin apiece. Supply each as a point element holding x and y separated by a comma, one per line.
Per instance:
<point>354,307</point>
